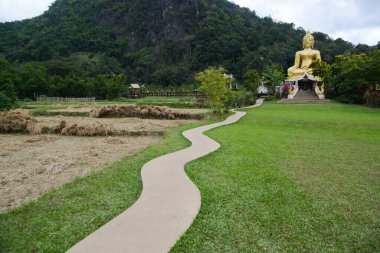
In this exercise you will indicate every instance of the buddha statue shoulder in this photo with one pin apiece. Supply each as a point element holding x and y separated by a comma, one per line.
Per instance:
<point>304,58</point>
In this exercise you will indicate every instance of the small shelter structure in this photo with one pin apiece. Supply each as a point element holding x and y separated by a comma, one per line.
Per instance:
<point>134,87</point>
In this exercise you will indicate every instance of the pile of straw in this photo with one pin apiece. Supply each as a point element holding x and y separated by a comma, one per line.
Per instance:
<point>18,121</point>
<point>141,111</point>
<point>87,130</point>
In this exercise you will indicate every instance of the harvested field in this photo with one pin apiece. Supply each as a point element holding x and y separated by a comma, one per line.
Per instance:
<point>117,124</point>
<point>31,165</point>
<point>142,111</point>
<point>73,109</point>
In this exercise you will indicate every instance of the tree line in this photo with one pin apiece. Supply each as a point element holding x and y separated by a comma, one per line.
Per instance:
<point>353,79</point>
<point>78,48</point>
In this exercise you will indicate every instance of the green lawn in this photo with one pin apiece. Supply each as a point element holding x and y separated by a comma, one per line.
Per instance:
<point>62,217</point>
<point>290,178</point>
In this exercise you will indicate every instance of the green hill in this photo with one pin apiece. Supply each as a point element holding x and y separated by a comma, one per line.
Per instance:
<point>162,42</point>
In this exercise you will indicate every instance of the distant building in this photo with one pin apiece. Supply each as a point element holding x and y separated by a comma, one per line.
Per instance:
<point>262,90</point>
<point>134,87</point>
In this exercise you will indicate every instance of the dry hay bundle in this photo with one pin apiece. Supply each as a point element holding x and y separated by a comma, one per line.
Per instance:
<point>88,130</point>
<point>18,121</point>
<point>141,111</point>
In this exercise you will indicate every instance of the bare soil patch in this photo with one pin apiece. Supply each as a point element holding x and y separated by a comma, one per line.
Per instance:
<point>31,165</point>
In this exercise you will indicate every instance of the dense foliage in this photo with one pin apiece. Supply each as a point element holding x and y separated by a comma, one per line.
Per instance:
<point>160,42</point>
<point>77,48</point>
<point>353,78</point>
<point>30,79</point>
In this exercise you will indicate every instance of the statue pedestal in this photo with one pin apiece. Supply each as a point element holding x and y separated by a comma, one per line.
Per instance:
<point>306,82</point>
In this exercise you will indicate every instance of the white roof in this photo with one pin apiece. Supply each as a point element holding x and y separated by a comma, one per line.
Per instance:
<point>262,89</point>
<point>135,86</point>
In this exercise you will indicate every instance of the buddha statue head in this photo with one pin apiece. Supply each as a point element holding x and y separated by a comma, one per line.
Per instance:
<point>308,40</point>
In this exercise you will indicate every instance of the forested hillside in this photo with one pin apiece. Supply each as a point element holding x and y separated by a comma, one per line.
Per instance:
<point>160,42</point>
<point>96,47</point>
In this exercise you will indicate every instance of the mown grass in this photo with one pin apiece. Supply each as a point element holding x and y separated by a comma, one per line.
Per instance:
<point>59,219</point>
<point>290,178</point>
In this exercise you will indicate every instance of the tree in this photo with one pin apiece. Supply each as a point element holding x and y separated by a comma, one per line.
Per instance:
<point>252,80</point>
<point>353,75</point>
<point>273,76</point>
<point>7,95</point>
<point>322,69</point>
<point>7,90</point>
<point>215,85</point>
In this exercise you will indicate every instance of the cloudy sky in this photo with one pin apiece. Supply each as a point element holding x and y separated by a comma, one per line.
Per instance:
<point>354,20</point>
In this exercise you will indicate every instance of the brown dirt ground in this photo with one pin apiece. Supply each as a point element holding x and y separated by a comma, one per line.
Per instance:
<point>31,165</point>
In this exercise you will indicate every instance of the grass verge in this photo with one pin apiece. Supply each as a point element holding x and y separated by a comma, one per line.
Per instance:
<point>290,178</point>
<point>59,219</point>
<point>175,102</point>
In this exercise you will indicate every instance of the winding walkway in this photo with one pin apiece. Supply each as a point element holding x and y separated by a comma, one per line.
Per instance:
<point>167,206</point>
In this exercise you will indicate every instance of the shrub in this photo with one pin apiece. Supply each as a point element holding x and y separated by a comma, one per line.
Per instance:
<point>246,99</point>
<point>6,103</point>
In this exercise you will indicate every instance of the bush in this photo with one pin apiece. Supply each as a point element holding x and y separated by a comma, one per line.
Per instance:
<point>372,96</point>
<point>354,75</point>
<point>246,99</point>
<point>236,99</point>
<point>5,102</point>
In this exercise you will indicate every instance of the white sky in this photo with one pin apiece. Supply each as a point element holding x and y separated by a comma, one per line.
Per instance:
<point>357,21</point>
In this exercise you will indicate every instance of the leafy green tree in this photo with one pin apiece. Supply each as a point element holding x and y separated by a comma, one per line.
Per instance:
<point>215,85</point>
<point>353,75</point>
<point>7,95</point>
<point>7,90</point>
<point>273,76</point>
<point>115,86</point>
<point>323,70</point>
<point>252,81</point>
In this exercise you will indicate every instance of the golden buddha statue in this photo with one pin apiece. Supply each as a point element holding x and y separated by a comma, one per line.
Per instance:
<point>303,59</point>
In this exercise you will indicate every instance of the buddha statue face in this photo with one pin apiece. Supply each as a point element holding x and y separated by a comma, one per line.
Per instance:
<point>308,41</point>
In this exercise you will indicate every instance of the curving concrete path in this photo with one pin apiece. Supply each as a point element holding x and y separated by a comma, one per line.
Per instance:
<point>167,206</point>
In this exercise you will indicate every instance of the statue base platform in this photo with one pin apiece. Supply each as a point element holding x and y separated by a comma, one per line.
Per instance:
<point>306,82</point>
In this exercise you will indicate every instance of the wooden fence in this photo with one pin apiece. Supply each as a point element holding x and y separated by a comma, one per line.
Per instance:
<point>66,99</point>
<point>171,94</point>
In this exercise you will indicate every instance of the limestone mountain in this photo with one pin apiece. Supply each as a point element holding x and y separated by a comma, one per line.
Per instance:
<point>163,41</point>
